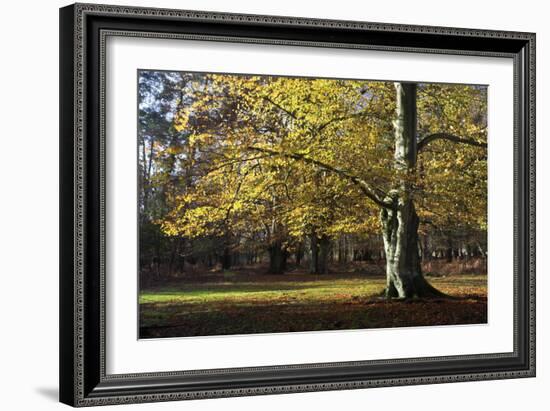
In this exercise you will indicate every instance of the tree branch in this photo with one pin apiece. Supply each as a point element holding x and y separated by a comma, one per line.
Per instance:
<point>235,161</point>
<point>362,184</point>
<point>449,137</point>
<point>341,118</point>
<point>281,108</point>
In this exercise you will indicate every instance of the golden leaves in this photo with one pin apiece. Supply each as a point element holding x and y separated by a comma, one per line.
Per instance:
<point>346,124</point>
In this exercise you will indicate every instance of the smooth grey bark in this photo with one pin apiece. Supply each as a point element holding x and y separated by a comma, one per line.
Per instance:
<point>400,221</point>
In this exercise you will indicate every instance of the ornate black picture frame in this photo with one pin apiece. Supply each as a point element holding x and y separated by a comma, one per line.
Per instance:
<point>83,31</point>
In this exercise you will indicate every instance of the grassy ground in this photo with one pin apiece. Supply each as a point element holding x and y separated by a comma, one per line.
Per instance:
<point>243,303</point>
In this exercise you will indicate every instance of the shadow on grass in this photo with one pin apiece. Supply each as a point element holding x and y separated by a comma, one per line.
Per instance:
<point>243,318</point>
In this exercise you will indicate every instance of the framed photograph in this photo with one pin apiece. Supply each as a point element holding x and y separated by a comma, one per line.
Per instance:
<point>260,205</point>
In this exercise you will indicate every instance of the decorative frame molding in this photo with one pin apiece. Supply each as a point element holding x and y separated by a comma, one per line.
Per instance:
<point>83,32</point>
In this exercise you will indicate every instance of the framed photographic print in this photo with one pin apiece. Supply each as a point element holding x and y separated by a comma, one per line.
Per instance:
<point>260,204</point>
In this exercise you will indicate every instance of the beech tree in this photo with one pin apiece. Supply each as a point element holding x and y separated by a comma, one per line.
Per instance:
<point>282,159</point>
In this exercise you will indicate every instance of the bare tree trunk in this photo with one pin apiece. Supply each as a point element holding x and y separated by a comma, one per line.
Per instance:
<point>298,254</point>
<point>400,221</point>
<point>449,250</point>
<point>226,258</point>
<point>313,262</point>
<point>277,258</point>
<point>404,277</point>
<point>324,252</point>
<point>341,249</point>
<point>320,251</point>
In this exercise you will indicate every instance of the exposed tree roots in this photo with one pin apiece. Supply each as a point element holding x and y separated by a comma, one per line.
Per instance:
<point>419,289</point>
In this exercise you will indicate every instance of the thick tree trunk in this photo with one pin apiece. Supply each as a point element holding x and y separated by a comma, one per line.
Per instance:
<point>226,258</point>
<point>320,250</point>
<point>400,221</point>
<point>277,258</point>
<point>324,252</point>
<point>404,277</point>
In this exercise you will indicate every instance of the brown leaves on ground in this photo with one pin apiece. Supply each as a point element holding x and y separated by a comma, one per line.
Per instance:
<point>238,304</point>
